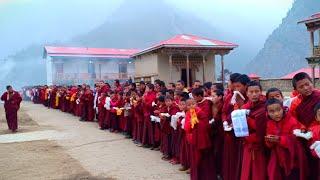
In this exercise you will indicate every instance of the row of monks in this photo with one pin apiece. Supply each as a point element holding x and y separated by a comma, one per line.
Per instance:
<point>196,127</point>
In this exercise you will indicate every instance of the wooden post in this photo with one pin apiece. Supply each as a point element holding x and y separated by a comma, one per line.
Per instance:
<point>312,42</point>
<point>188,72</point>
<point>222,70</point>
<point>170,67</point>
<point>203,68</point>
<point>313,66</point>
<point>319,38</point>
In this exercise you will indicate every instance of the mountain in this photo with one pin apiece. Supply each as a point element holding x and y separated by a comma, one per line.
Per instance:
<point>287,47</point>
<point>141,23</point>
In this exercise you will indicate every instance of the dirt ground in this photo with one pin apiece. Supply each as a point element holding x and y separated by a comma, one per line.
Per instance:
<point>77,150</point>
<point>39,160</point>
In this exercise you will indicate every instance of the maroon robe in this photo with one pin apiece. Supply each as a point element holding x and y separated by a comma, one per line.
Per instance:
<point>166,131</point>
<point>254,163</point>
<point>305,115</point>
<point>89,103</point>
<point>232,146</point>
<point>11,105</point>
<point>202,153</point>
<point>148,138</point>
<point>185,147</point>
<point>101,112</point>
<point>288,158</point>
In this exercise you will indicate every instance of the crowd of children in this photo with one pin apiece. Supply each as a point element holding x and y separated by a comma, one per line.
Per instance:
<point>195,127</point>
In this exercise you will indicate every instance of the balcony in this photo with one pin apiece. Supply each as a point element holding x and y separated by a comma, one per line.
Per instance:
<point>72,78</point>
<point>316,51</point>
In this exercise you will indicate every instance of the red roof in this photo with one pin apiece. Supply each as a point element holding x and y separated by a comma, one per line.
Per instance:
<point>252,75</point>
<point>88,52</point>
<point>306,70</point>
<point>313,18</point>
<point>184,40</point>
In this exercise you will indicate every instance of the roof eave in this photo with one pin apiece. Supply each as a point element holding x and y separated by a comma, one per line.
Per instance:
<point>228,47</point>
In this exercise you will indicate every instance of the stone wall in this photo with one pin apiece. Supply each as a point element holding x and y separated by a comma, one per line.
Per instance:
<point>284,85</point>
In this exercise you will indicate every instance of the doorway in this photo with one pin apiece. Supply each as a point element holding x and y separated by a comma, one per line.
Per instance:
<point>184,76</point>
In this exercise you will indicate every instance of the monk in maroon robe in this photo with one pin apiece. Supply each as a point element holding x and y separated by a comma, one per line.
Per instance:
<point>166,129</point>
<point>254,164</point>
<point>304,111</point>
<point>148,98</point>
<point>12,100</point>
<point>202,152</point>
<point>288,158</point>
<point>233,146</point>
<point>101,111</point>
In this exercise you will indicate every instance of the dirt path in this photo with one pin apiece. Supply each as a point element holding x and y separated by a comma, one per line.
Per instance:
<point>101,153</point>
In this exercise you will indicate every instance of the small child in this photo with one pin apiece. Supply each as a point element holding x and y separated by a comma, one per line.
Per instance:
<point>287,159</point>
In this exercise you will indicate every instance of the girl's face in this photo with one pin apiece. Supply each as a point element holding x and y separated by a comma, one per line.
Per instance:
<point>318,115</point>
<point>182,105</point>
<point>275,112</point>
<point>275,95</point>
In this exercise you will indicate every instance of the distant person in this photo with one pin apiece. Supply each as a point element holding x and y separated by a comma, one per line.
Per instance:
<point>12,100</point>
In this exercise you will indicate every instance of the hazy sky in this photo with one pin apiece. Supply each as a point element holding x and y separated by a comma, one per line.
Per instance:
<point>22,22</point>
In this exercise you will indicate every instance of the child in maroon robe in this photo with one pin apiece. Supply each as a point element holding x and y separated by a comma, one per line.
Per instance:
<point>202,152</point>
<point>12,100</point>
<point>148,97</point>
<point>184,144</point>
<point>159,107</point>
<point>102,110</point>
<point>287,159</point>
<point>217,128</point>
<point>233,146</point>
<point>115,104</point>
<point>254,164</point>
<point>166,129</point>
<point>304,112</point>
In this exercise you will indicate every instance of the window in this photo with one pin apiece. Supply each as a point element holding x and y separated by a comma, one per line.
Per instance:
<point>59,68</point>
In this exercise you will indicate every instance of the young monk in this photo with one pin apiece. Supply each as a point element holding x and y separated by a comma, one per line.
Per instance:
<point>304,112</point>
<point>159,107</point>
<point>254,163</point>
<point>202,153</point>
<point>115,105</point>
<point>101,110</point>
<point>287,159</point>
<point>315,127</point>
<point>148,97</point>
<point>166,129</point>
<point>232,148</point>
<point>217,128</point>
<point>184,145</point>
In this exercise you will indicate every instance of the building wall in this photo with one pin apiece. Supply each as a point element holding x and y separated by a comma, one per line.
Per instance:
<point>163,69</point>
<point>210,68</point>
<point>284,85</point>
<point>146,65</point>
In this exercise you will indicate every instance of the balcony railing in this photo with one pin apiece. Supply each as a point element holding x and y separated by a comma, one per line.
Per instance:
<point>83,77</point>
<point>316,51</point>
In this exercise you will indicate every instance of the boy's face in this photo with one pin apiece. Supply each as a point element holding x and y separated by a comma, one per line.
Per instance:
<point>318,115</point>
<point>182,105</point>
<point>237,86</point>
<point>168,102</point>
<point>215,98</point>
<point>191,104</point>
<point>304,87</point>
<point>275,112</point>
<point>275,95</point>
<point>197,98</point>
<point>254,93</point>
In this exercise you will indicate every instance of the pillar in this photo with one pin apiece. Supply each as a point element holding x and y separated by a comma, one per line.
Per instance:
<point>222,69</point>
<point>319,39</point>
<point>203,68</point>
<point>188,71</point>
<point>313,66</point>
<point>170,67</point>
<point>312,42</point>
